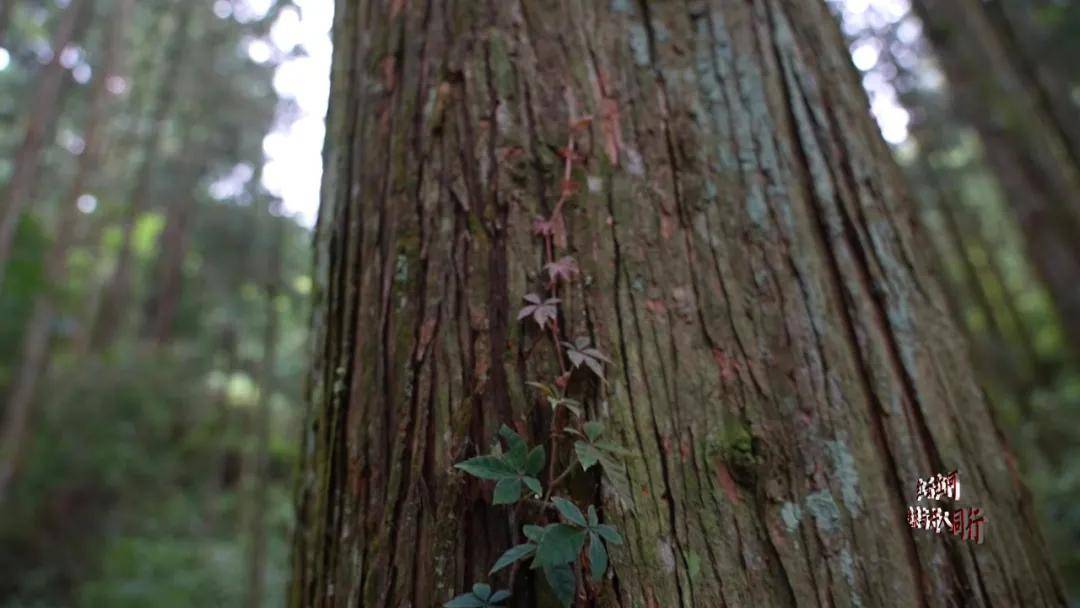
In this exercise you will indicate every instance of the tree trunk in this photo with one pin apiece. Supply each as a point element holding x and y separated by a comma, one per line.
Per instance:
<point>115,296</point>
<point>162,304</point>
<point>1026,143</point>
<point>1051,70</point>
<point>7,10</point>
<point>260,471</point>
<point>36,336</point>
<point>784,365</point>
<point>42,116</point>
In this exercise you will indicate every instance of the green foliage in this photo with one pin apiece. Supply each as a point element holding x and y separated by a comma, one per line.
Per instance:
<point>558,549</point>
<point>512,470</point>
<point>481,596</point>
<point>135,485</point>
<point>556,400</point>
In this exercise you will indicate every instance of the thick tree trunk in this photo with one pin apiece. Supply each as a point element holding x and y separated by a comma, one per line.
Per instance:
<point>44,108</point>
<point>116,296</point>
<point>1024,138</point>
<point>35,347</point>
<point>747,259</point>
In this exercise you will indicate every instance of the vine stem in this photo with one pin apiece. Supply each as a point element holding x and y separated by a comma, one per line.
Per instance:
<point>561,478</point>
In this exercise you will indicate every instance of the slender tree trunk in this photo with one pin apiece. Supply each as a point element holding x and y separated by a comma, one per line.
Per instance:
<point>1050,71</point>
<point>169,274</point>
<point>44,108</point>
<point>36,337</point>
<point>7,10</point>
<point>256,579</point>
<point>162,305</point>
<point>746,259</point>
<point>1025,142</point>
<point>116,296</point>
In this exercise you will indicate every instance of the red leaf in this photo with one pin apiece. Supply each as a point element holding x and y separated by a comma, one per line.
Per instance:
<point>542,227</point>
<point>580,124</point>
<point>565,268</point>
<point>563,380</point>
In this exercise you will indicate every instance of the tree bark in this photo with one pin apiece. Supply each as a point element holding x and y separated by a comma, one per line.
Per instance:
<point>747,260</point>
<point>1025,141</point>
<point>44,109</point>
<point>36,337</point>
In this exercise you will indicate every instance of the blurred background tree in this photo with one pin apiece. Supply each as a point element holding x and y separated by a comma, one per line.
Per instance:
<point>153,294</point>
<point>152,307</point>
<point>983,98</point>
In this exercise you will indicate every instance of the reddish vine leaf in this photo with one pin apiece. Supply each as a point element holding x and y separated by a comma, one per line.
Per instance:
<point>542,227</point>
<point>568,153</point>
<point>540,310</point>
<point>564,268</point>
<point>563,380</point>
<point>581,353</point>
<point>554,228</point>
<point>576,126</point>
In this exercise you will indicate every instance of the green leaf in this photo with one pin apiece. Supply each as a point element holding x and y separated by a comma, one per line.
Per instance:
<point>511,437</point>
<point>534,485</point>
<point>487,467</point>
<point>570,511</point>
<point>596,367</point>
<point>515,458</point>
<point>507,491</point>
<point>465,600</point>
<point>560,545</point>
<point>482,591</point>
<point>512,555</point>
<point>544,388</point>
<point>587,454</point>
<point>534,463</point>
<point>499,596</point>
<point>571,404</point>
<point>594,519</point>
<point>598,557</point>
<point>609,534</point>
<point>561,580</point>
<point>593,429</point>
<point>533,533</point>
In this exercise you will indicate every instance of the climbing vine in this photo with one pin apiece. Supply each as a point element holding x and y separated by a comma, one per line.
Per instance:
<point>568,545</point>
